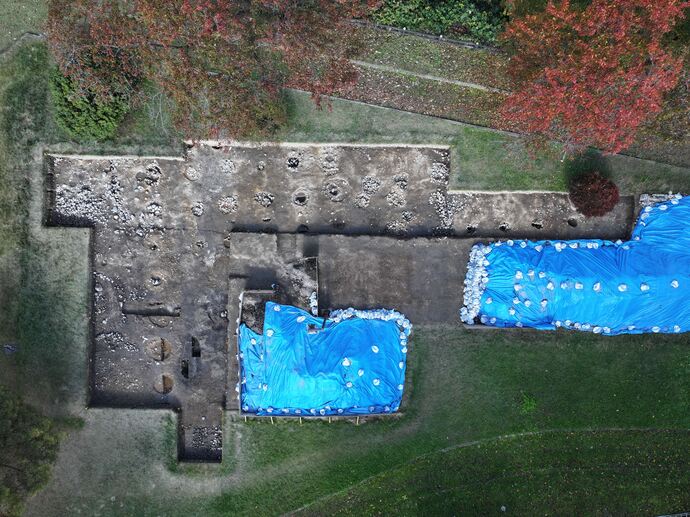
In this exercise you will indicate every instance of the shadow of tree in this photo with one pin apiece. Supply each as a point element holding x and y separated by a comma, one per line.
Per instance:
<point>590,160</point>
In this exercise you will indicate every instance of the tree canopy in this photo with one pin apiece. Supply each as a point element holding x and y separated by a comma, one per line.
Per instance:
<point>593,76</point>
<point>222,62</point>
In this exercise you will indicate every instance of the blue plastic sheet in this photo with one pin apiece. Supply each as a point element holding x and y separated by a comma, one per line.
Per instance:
<point>638,286</point>
<point>350,364</point>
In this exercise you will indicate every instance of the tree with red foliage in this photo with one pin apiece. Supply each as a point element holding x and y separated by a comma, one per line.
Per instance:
<point>592,76</point>
<point>223,63</point>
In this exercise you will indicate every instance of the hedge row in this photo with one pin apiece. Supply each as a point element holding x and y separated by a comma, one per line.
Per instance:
<point>478,20</point>
<point>82,115</point>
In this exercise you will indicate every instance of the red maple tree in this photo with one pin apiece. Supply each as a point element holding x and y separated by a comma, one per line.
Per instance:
<point>592,76</point>
<point>223,63</point>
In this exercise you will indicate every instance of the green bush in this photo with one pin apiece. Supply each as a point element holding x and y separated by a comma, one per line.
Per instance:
<point>479,20</point>
<point>528,404</point>
<point>84,116</point>
<point>28,447</point>
<point>521,8</point>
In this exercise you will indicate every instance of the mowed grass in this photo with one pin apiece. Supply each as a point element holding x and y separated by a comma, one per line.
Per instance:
<point>474,385</point>
<point>568,473</point>
<point>43,279</point>
<point>22,123</point>
<point>481,159</point>
<point>464,386</point>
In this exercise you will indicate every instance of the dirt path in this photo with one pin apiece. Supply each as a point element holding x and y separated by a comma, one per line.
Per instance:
<point>428,77</point>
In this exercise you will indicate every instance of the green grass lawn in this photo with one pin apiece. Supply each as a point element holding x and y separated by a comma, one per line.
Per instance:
<point>23,121</point>
<point>474,385</point>
<point>665,143</point>
<point>568,473</point>
<point>465,386</point>
<point>20,16</point>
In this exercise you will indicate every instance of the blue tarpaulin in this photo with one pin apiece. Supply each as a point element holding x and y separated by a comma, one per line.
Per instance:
<point>638,286</point>
<point>352,363</point>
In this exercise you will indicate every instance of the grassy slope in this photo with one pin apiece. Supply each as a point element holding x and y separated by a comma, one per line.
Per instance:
<point>35,278</point>
<point>434,58</point>
<point>548,474</point>
<point>481,158</point>
<point>22,123</point>
<point>475,66</point>
<point>19,17</point>
<point>468,386</point>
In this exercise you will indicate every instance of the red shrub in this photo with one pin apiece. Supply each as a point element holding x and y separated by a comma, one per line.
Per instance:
<point>593,76</point>
<point>593,195</point>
